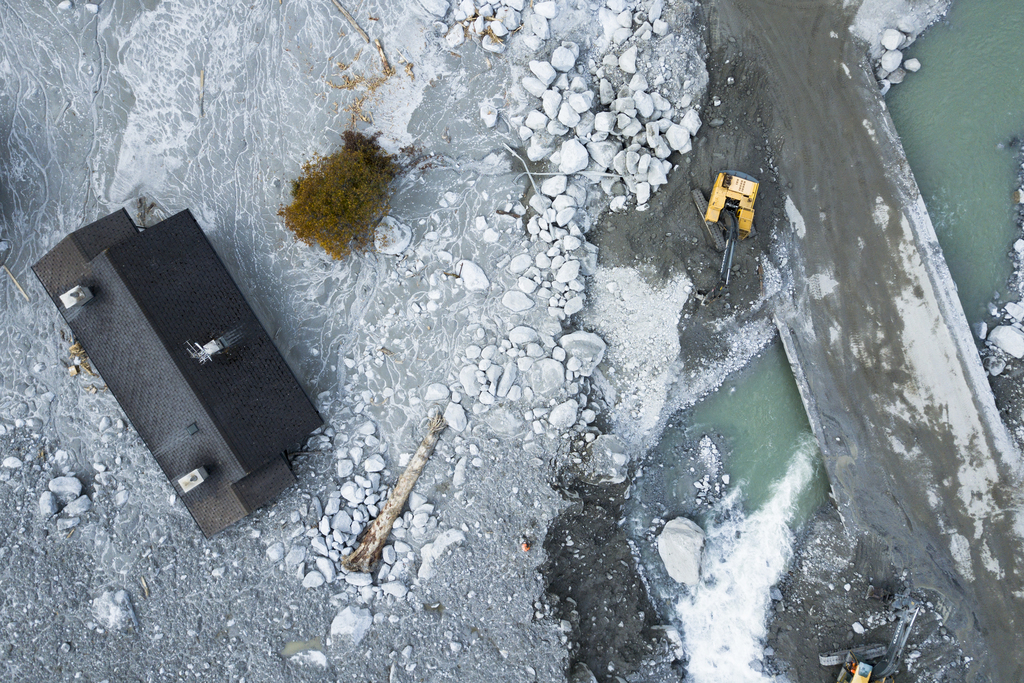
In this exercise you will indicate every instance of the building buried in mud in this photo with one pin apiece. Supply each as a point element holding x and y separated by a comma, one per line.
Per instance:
<point>185,356</point>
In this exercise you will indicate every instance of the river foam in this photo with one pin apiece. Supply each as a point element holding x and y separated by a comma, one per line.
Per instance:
<point>724,619</point>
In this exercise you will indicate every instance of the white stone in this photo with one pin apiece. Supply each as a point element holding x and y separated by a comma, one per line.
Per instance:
<point>1014,310</point>
<point>563,415</point>
<point>891,39</point>
<point>546,377</point>
<point>550,101</point>
<point>275,552</point>
<point>351,624</point>
<point>295,556</point>
<point>538,25</point>
<point>568,271</point>
<point>644,104</point>
<point>467,378</point>
<point>436,392</point>
<point>358,579</point>
<point>547,9</point>
<point>562,58</point>
<point>78,506</point>
<point>374,463</point>
<point>857,627</point>
<point>891,60</point>
<point>574,157</point>
<point>534,86</point>
<point>92,7</point>
<point>586,347</point>
<point>655,10</point>
<point>11,462</point>
<point>522,335</point>
<point>516,301</point>
<point>604,121</point>
<point>603,153</point>
<point>627,61</point>
<point>568,116</point>
<point>554,186</point>
<point>489,114</point>
<point>472,276</point>
<point>436,9</point>
<point>643,193</point>
<point>64,4</point>
<point>395,588</point>
<point>680,545</point>
<point>352,492</point>
<point>68,488</point>
<point>691,121</point>
<point>581,102</point>
<point>455,416</point>
<point>48,504</point>
<point>573,305</point>
<point>519,263</point>
<point>544,72</point>
<point>313,579</point>
<point>455,37</point>
<point>912,65</point>
<point>1009,339</point>
<point>432,551</point>
<point>678,138</point>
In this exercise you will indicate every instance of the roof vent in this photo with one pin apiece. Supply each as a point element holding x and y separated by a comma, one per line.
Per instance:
<point>193,479</point>
<point>76,296</point>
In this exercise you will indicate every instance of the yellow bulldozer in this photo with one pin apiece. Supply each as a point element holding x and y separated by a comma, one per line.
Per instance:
<point>729,217</point>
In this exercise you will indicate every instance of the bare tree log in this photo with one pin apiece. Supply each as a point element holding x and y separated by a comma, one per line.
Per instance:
<point>367,555</point>
<point>384,63</point>
<point>351,20</point>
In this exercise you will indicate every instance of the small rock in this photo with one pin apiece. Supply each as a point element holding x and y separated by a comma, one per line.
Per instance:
<point>48,506</point>
<point>12,463</point>
<point>544,72</point>
<point>891,60</point>
<point>275,552</point>
<point>455,37</point>
<point>436,392</point>
<point>455,416</point>
<point>517,301</point>
<point>553,186</point>
<point>562,58</point>
<point>374,463</point>
<point>912,65</point>
<point>563,415</point>
<point>858,628</point>
<point>627,61</point>
<point>295,556</point>
<point>547,9</point>
<point>351,624</point>
<point>78,506</point>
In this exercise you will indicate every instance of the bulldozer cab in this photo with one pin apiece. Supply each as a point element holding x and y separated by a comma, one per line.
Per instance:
<point>735,193</point>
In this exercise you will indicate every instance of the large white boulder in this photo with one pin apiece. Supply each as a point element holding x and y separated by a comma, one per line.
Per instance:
<point>691,121</point>
<point>563,59</point>
<point>680,545</point>
<point>678,138</point>
<point>1009,339</point>
<point>586,347</point>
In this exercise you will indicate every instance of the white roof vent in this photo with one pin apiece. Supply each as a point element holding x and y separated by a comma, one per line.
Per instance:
<point>193,479</point>
<point>76,296</point>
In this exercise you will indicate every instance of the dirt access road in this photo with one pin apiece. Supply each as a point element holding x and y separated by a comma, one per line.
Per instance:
<point>882,352</point>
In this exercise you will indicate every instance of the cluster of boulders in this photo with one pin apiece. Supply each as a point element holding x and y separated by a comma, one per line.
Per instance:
<point>65,497</point>
<point>1005,339</point>
<point>531,366</point>
<point>331,526</point>
<point>494,22</point>
<point>890,66</point>
<point>625,131</point>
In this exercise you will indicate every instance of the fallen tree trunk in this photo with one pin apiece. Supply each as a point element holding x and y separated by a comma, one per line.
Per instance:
<point>367,555</point>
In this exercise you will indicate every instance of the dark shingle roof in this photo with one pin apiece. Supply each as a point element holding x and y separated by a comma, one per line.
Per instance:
<point>154,293</point>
